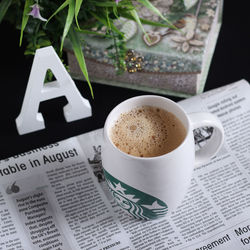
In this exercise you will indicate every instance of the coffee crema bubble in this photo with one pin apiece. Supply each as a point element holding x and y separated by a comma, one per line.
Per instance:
<point>147,132</point>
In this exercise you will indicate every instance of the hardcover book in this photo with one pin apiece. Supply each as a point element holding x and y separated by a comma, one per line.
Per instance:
<point>172,61</point>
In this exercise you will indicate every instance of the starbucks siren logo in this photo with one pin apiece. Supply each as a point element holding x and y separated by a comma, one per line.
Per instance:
<point>139,204</point>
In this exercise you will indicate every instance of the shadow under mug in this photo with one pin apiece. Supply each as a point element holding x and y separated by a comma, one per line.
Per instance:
<point>151,187</point>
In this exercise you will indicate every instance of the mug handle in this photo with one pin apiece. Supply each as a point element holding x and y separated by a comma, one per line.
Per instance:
<point>213,145</point>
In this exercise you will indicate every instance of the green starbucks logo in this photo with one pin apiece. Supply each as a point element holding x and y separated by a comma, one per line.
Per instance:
<point>139,204</point>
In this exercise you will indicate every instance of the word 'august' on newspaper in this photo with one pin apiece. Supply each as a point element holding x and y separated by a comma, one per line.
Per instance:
<point>55,197</point>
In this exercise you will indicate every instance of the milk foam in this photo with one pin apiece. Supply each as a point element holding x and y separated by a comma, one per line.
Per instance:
<point>147,132</point>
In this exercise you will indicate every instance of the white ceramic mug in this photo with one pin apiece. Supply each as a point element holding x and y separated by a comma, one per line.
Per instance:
<point>152,187</point>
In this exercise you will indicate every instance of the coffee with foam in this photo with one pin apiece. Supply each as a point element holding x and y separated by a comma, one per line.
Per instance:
<point>147,132</point>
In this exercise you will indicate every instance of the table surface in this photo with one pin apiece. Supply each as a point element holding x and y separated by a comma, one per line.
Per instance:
<point>230,63</point>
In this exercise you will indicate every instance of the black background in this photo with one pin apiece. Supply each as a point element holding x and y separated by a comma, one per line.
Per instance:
<point>230,63</point>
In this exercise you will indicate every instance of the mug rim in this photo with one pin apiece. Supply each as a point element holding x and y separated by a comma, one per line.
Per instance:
<point>106,132</point>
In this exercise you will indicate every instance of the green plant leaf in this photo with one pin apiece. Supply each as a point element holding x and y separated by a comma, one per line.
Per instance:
<point>115,12</point>
<point>137,19</point>
<point>107,18</point>
<point>25,18</point>
<point>150,6</point>
<point>77,48</point>
<point>89,32</point>
<point>122,4</point>
<point>144,21</point>
<point>69,20</point>
<point>104,3</point>
<point>77,9</point>
<point>104,21</point>
<point>4,5</point>
<point>58,10</point>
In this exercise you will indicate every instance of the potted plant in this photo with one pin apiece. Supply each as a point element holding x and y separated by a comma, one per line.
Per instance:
<point>43,23</point>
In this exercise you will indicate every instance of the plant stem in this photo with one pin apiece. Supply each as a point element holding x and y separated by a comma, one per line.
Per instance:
<point>116,51</point>
<point>198,9</point>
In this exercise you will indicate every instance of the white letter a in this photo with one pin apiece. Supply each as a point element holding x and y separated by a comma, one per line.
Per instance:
<point>29,119</point>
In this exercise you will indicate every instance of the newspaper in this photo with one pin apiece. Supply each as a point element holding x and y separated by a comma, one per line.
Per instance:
<point>55,197</point>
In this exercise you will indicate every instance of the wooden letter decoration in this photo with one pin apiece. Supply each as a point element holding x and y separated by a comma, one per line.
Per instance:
<point>30,119</point>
